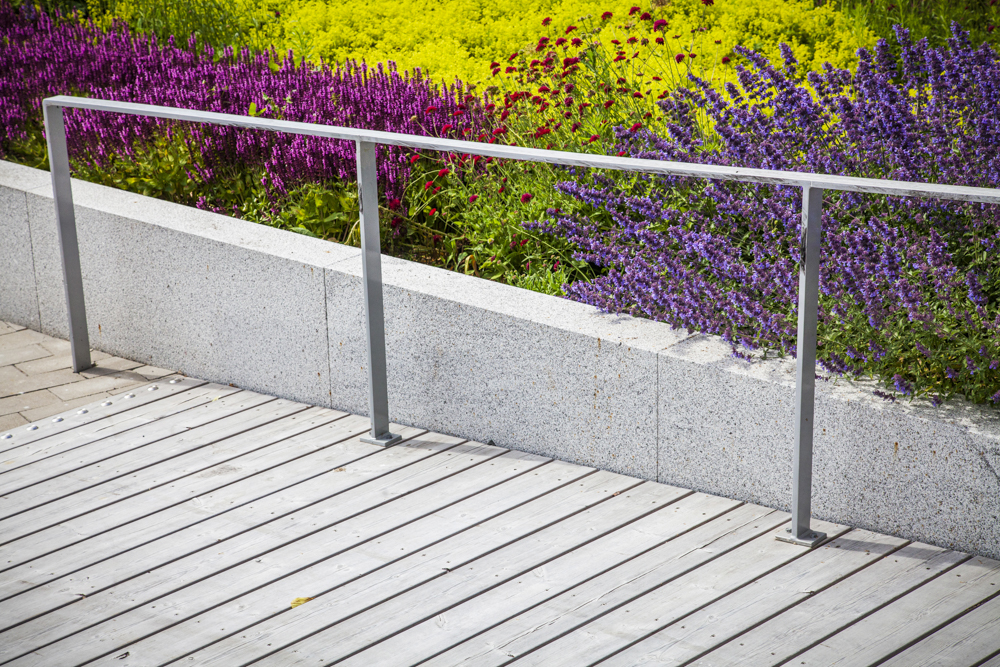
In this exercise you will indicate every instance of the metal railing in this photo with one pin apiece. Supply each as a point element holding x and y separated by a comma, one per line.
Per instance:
<point>812,186</point>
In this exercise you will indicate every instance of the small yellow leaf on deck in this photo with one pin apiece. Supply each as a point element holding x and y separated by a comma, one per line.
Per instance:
<point>297,601</point>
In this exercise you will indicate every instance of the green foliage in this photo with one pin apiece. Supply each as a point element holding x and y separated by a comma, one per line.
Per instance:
<point>220,23</point>
<point>930,19</point>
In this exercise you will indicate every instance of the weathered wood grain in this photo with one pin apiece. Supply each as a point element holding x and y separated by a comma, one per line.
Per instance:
<point>769,595</point>
<point>169,404</point>
<point>359,545</point>
<point>430,563</point>
<point>567,572</point>
<point>656,609</point>
<point>965,641</point>
<point>826,612</point>
<point>124,402</point>
<point>908,619</point>
<point>568,611</point>
<point>70,545</point>
<point>406,609</point>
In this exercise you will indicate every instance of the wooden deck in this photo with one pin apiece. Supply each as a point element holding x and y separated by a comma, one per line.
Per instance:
<point>178,523</point>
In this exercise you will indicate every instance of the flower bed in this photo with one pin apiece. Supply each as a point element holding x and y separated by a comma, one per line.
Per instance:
<point>910,289</point>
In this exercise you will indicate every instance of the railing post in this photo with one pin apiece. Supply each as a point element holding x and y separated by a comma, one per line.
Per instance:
<point>371,279</point>
<point>805,370</point>
<point>62,193</point>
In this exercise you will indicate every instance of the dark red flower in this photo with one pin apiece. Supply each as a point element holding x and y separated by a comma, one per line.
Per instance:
<point>525,198</point>
<point>659,24</point>
<point>635,127</point>
<point>659,40</point>
<point>725,60</point>
<point>433,212</point>
<point>570,29</point>
<point>512,57</point>
<point>496,70</point>
<point>606,15</point>
<point>594,138</point>
<point>577,41</point>
<point>692,55</point>
<point>393,203</point>
<point>634,11</point>
<point>446,127</point>
<point>561,41</point>
<point>473,198</point>
<point>568,62</point>
<point>679,57</point>
<point>708,3</point>
<point>494,64</point>
<point>547,20</point>
<point>646,17</point>
<point>510,69</point>
<point>607,105</point>
<point>414,158</point>
<point>443,171</point>
<point>428,185</point>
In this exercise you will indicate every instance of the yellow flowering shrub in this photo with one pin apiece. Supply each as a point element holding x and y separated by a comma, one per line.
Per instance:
<point>451,39</point>
<point>460,38</point>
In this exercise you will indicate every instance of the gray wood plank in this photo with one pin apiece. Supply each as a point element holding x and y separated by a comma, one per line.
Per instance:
<point>200,522</point>
<point>366,542</point>
<point>437,596</point>
<point>829,611</point>
<point>567,572</point>
<point>648,613</point>
<point>575,608</point>
<point>47,500</point>
<point>125,401</point>
<point>117,502</point>
<point>769,595</point>
<point>429,564</point>
<point>148,437</point>
<point>238,528</point>
<point>965,641</point>
<point>909,618</point>
<point>271,565</point>
<point>99,429</point>
<point>369,483</point>
<point>992,661</point>
<point>139,472</point>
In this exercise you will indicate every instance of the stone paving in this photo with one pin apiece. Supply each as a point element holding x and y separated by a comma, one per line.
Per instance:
<point>37,378</point>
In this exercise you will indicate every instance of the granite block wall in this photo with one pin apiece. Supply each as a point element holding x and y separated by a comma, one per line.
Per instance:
<point>281,313</point>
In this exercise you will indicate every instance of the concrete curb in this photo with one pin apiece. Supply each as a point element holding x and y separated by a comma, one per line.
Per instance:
<point>275,312</point>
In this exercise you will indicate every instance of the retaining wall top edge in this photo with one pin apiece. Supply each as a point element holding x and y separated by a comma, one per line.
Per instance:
<point>713,352</point>
<point>20,177</point>
<point>197,222</point>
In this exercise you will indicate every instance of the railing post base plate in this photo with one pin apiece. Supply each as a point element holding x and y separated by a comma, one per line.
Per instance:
<point>386,440</point>
<point>811,539</point>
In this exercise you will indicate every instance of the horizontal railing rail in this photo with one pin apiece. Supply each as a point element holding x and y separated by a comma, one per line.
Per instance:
<point>813,186</point>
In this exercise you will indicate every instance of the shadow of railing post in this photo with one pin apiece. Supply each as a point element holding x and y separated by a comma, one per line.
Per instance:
<point>813,187</point>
